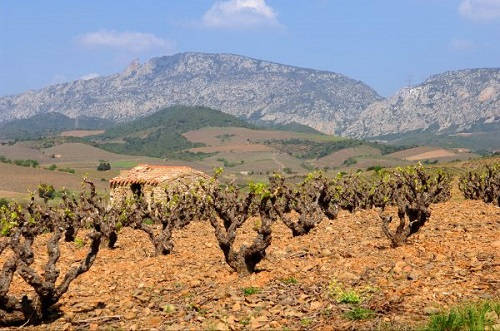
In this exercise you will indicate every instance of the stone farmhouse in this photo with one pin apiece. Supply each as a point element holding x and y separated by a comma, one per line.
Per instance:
<point>151,181</point>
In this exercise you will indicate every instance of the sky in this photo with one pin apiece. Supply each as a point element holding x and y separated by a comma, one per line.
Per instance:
<point>388,44</point>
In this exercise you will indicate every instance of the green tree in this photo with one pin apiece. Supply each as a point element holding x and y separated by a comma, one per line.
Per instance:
<point>104,166</point>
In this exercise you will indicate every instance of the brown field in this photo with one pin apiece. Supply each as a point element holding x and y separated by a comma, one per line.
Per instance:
<point>68,153</point>
<point>363,162</point>
<point>17,180</point>
<point>233,147</point>
<point>81,133</point>
<point>77,152</point>
<point>240,136</point>
<point>412,151</point>
<point>12,195</point>
<point>435,154</point>
<point>237,145</point>
<point>22,151</point>
<point>336,159</point>
<point>453,259</point>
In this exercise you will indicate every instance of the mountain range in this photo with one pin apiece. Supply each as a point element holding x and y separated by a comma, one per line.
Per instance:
<point>452,102</point>
<point>257,90</point>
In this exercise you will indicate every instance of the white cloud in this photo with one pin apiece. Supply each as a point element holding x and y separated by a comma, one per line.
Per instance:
<point>240,14</point>
<point>462,44</point>
<point>480,10</point>
<point>129,41</point>
<point>89,76</point>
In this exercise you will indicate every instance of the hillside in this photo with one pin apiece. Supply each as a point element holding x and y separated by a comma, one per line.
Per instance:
<point>46,124</point>
<point>200,133</point>
<point>451,102</point>
<point>238,85</point>
<point>160,134</point>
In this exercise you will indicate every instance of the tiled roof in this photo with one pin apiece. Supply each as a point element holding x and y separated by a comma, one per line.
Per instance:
<point>154,175</point>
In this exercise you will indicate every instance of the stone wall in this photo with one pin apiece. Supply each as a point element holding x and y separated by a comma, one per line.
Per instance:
<point>124,191</point>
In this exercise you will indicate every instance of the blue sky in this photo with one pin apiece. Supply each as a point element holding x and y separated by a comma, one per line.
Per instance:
<point>384,43</point>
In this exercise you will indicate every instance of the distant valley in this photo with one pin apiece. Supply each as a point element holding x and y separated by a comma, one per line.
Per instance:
<point>199,137</point>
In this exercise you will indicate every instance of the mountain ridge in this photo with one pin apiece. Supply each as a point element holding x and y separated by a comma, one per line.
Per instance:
<point>241,86</point>
<point>265,91</point>
<point>456,100</point>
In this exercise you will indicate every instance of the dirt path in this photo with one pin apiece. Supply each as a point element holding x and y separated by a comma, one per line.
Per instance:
<point>280,164</point>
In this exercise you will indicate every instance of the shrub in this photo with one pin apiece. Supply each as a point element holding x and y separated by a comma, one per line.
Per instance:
<point>3,159</point>
<point>308,199</point>
<point>359,313</point>
<point>178,209</point>
<point>348,297</point>
<point>476,316</point>
<point>415,189</point>
<point>350,161</point>
<point>68,170</point>
<point>24,225</point>
<point>250,291</point>
<point>4,202</point>
<point>376,168</point>
<point>22,163</point>
<point>26,163</point>
<point>482,184</point>
<point>232,207</point>
<point>229,164</point>
<point>104,166</point>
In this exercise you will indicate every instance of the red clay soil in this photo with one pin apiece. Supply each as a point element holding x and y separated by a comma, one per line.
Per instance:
<point>453,259</point>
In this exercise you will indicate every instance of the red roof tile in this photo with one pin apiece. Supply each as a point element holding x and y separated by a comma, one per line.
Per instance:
<point>154,175</point>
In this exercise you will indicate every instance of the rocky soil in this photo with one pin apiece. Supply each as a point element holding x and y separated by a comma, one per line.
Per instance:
<point>452,260</point>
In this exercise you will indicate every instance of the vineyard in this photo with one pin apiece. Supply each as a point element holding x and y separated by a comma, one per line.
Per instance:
<point>48,251</point>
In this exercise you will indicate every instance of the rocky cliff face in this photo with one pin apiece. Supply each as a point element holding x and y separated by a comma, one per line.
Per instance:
<point>452,101</point>
<point>238,85</point>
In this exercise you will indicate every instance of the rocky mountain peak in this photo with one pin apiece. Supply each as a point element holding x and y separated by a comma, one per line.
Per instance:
<point>235,84</point>
<point>263,90</point>
<point>132,68</point>
<point>453,100</point>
